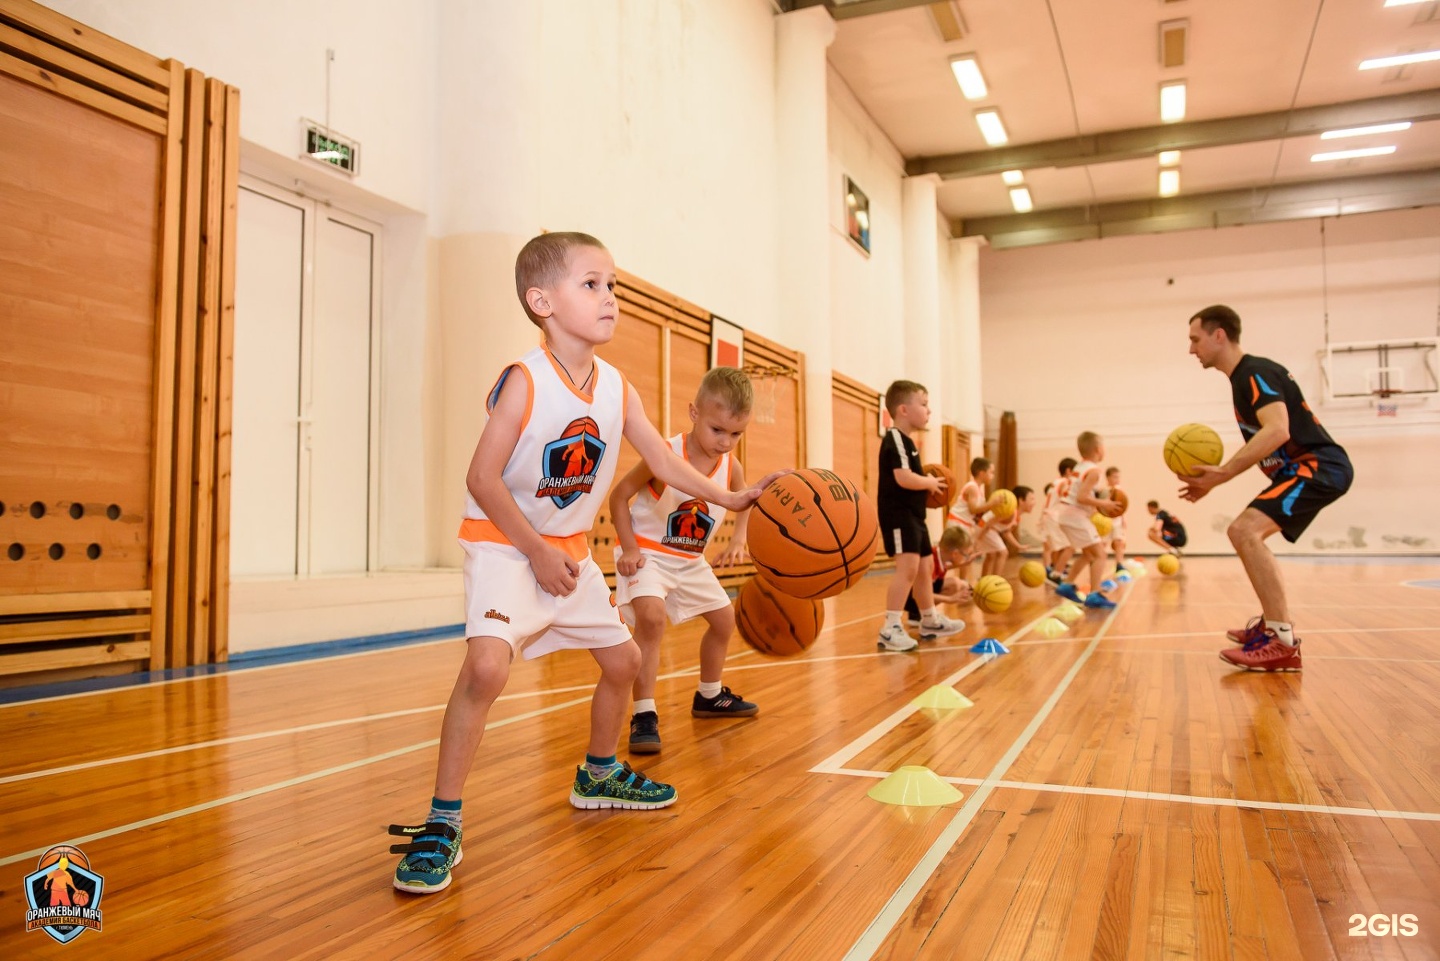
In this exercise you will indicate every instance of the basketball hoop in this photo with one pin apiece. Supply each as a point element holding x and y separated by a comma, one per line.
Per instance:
<point>763,379</point>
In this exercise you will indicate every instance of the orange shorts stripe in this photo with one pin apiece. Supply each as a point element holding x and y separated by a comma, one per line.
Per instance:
<point>1272,494</point>
<point>482,531</point>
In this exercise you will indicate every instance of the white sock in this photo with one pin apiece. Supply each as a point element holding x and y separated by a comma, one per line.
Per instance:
<point>709,688</point>
<point>645,704</point>
<point>892,619</point>
<point>1282,631</point>
<point>930,616</point>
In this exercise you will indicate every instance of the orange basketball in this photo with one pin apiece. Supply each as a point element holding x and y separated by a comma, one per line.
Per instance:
<point>1118,496</point>
<point>946,497</point>
<point>813,533</point>
<point>775,623</point>
<point>68,851</point>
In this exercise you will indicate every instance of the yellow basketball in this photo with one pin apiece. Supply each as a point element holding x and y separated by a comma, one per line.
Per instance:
<point>1006,508</point>
<point>1103,524</point>
<point>993,593</point>
<point>1032,573</point>
<point>1190,445</point>
<point>1167,564</point>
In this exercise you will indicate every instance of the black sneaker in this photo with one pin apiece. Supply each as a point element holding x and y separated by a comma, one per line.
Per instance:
<point>645,733</point>
<point>724,704</point>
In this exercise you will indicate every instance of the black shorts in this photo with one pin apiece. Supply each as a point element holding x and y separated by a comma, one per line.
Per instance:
<point>1174,538</point>
<point>1293,502</point>
<point>905,534</point>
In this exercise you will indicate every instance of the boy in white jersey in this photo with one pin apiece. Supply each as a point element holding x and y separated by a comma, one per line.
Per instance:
<point>1117,523</point>
<point>541,471</point>
<point>997,537</point>
<point>971,505</point>
<point>1057,550</point>
<point>660,562</point>
<point>1080,501</point>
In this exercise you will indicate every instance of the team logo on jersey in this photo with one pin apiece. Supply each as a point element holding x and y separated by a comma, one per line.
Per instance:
<point>569,465</point>
<point>63,894</point>
<point>688,527</point>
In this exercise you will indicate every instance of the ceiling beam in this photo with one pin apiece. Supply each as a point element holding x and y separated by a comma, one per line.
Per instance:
<point>1192,135</point>
<point>1303,200</point>
<point>846,9</point>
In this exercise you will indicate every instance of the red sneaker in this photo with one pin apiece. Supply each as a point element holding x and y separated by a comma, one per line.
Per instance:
<point>1268,653</point>
<point>1250,632</point>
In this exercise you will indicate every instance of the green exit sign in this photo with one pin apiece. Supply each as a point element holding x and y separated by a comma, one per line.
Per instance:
<point>329,148</point>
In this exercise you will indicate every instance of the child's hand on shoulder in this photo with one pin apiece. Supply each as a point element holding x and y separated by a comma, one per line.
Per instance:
<point>732,555</point>
<point>629,561</point>
<point>555,571</point>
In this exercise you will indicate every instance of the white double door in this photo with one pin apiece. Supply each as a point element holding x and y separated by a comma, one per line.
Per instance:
<point>305,415</point>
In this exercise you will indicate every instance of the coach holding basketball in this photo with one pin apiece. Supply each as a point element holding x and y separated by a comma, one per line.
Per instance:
<point>1306,468</point>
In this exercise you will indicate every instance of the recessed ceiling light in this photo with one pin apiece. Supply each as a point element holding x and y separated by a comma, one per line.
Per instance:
<point>1351,154</point>
<point>1013,178</point>
<point>1020,200</point>
<point>1172,101</point>
<point>1170,182</point>
<point>1169,158</point>
<point>1362,131</point>
<point>1404,3</point>
<point>968,76</point>
<point>991,128</point>
<point>1400,60</point>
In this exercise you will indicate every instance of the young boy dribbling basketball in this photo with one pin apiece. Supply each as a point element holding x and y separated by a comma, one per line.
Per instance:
<point>660,561</point>
<point>541,470</point>
<point>900,503</point>
<point>1079,502</point>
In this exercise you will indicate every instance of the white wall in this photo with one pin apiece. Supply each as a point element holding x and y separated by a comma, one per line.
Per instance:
<point>1093,336</point>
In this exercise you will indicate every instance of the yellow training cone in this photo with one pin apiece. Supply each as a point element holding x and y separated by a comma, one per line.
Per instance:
<point>1068,613</point>
<point>1050,628</point>
<point>942,697</point>
<point>916,786</point>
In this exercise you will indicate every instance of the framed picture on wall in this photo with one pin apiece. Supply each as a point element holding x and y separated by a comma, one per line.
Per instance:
<point>857,215</point>
<point>727,343</point>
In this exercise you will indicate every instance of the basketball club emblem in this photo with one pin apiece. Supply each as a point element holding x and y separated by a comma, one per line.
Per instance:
<point>63,894</point>
<point>571,463</point>
<point>688,527</point>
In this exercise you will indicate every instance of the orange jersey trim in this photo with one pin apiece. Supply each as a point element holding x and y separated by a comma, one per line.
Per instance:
<point>479,530</point>
<point>492,398</point>
<point>565,378</point>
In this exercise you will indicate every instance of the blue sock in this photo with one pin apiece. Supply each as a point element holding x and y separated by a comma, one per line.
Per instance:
<point>600,767</point>
<point>448,811</point>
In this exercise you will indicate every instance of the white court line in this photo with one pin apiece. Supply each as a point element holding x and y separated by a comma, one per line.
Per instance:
<point>1177,798</point>
<point>879,929</point>
<point>269,788</point>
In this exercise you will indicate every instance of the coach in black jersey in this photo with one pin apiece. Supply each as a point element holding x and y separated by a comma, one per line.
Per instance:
<point>1306,468</point>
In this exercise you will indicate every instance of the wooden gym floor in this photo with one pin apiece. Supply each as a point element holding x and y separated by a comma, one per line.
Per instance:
<point>1126,796</point>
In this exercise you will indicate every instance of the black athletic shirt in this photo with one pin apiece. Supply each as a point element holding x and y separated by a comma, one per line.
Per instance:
<point>1256,383</point>
<point>1168,524</point>
<point>898,450</point>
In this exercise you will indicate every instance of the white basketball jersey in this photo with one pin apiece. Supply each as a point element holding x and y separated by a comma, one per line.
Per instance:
<point>1053,500</point>
<point>564,460</point>
<point>672,522</point>
<point>960,511</point>
<point>1068,501</point>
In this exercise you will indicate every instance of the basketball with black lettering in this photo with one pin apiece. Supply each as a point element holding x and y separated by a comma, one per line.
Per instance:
<point>813,533</point>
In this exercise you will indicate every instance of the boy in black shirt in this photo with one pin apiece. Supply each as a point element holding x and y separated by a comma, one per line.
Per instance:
<point>900,502</point>
<point>1167,531</point>
<point>1306,468</point>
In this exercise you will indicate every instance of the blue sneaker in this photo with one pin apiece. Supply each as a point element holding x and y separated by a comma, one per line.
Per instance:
<point>428,858</point>
<point>1098,601</point>
<point>623,787</point>
<point>1069,592</point>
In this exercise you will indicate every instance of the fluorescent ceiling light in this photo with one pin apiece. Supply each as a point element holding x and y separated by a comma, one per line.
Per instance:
<point>1362,131</point>
<point>1013,178</point>
<point>1169,182</point>
<point>1404,3</point>
<point>967,75</point>
<point>1351,154</point>
<point>1172,101</point>
<point>1379,63</point>
<point>1169,158</point>
<point>991,128</point>
<point>1020,200</point>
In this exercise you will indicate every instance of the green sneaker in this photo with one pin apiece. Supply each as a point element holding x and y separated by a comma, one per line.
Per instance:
<point>428,858</point>
<point>624,787</point>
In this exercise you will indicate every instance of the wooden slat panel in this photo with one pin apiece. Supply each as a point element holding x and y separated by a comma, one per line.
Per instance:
<point>32,48</point>
<point>650,291</point>
<point>848,436</point>
<point>81,93</point>
<point>636,352</point>
<point>80,39</point>
<point>62,657</point>
<point>27,631</point>
<point>689,361</point>
<point>220,585</point>
<point>857,391</point>
<point>24,604</point>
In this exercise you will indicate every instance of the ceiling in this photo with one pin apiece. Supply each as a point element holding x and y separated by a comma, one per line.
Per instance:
<point>1061,72</point>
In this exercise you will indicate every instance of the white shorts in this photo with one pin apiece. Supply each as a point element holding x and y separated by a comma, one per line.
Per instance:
<point>1117,529</point>
<point>502,599</point>
<point>1051,531</point>
<point>687,585</point>
<point>1079,531</point>
<point>991,543</point>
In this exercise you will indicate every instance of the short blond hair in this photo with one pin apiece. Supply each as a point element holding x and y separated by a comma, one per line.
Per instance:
<point>728,386</point>
<point>1087,442</point>
<point>900,392</point>
<point>543,260</point>
<point>954,539</point>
